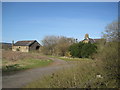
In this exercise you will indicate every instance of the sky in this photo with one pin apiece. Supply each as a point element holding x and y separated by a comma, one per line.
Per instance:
<point>35,20</point>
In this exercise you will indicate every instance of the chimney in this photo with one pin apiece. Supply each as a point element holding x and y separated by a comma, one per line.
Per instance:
<point>12,42</point>
<point>86,36</point>
<point>76,40</point>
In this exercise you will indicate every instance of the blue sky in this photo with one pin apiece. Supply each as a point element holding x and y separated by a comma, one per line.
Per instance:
<point>35,20</point>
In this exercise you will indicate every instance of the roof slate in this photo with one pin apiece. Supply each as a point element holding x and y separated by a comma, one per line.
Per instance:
<point>91,40</point>
<point>24,43</point>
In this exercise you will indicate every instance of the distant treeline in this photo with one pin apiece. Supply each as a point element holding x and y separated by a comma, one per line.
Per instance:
<point>6,46</point>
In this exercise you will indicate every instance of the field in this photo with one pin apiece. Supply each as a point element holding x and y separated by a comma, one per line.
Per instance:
<point>14,61</point>
<point>85,74</point>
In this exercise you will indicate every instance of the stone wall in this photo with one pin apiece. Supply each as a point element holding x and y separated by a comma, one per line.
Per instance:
<point>85,41</point>
<point>20,48</point>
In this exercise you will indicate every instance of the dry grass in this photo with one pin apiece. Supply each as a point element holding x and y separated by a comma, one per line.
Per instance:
<point>14,61</point>
<point>73,59</point>
<point>13,56</point>
<point>84,74</point>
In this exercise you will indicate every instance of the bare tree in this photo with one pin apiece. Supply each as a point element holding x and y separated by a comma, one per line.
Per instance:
<point>56,45</point>
<point>112,32</point>
<point>49,42</point>
<point>63,45</point>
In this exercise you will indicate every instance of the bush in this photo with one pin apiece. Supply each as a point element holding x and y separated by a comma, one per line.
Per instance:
<point>81,75</point>
<point>13,67</point>
<point>108,54</point>
<point>68,54</point>
<point>82,50</point>
<point>88,49</point>
<point>17,49</point>
<point>75,50</point>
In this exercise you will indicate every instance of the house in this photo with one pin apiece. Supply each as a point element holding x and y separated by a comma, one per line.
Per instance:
<point>87,39</point>
<point>26,46</point>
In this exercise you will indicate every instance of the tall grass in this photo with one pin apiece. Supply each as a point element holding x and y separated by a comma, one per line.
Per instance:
<point>82,75</point>
<point>108,54</point>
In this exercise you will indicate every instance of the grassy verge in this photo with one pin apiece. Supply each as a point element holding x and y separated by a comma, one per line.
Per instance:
<point>9,66</point>
<point>73,59</point>
<point>15,61</point>
<point>86,74</point>
<point>52,56</point>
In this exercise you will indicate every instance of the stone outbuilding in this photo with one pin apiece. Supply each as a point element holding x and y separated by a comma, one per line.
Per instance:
<point>26,46</point>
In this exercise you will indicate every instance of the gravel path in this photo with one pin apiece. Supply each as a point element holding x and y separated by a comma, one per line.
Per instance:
<point>22,78</point>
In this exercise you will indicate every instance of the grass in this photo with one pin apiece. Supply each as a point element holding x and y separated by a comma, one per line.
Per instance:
<point>73,59</point>
<point>52,56</point>
<point>82,75</point>
<point>15,61</point>
<point>14,56</point>
<point>74,77</point>
<point>9,66</point>
<point>68,58</point>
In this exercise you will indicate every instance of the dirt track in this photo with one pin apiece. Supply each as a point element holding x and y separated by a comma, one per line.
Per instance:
<point>22,78</point>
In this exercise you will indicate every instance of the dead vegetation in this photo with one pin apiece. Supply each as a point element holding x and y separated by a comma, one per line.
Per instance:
<point>14,56</point>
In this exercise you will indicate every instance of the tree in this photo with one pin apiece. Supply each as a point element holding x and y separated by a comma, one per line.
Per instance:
<point>75,50</point>
<point>108,53</point>
<point>49,42</point>
<point>82,50</point>
<point>112,32</point>
<point>56,45</point>
<point>88,49</point>
<point>63,45</point>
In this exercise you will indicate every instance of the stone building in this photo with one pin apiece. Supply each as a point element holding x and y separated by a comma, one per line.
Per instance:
<point>87,39</point>
<point>26,46</point>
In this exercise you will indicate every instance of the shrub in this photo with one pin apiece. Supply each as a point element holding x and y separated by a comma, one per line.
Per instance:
<point>75,50</point>
<point>108,54</point>
<point>17,49</point>
<point>82,50</point>
<point>88,49</point>
<point>68,54</point>
<point>81,75</point>
<point>13,67</point>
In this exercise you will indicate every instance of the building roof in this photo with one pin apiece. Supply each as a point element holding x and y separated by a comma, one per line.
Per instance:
<point>24,43</point>
<point>96,40</point>
<point>93,40</point>
<point>90,40</point>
